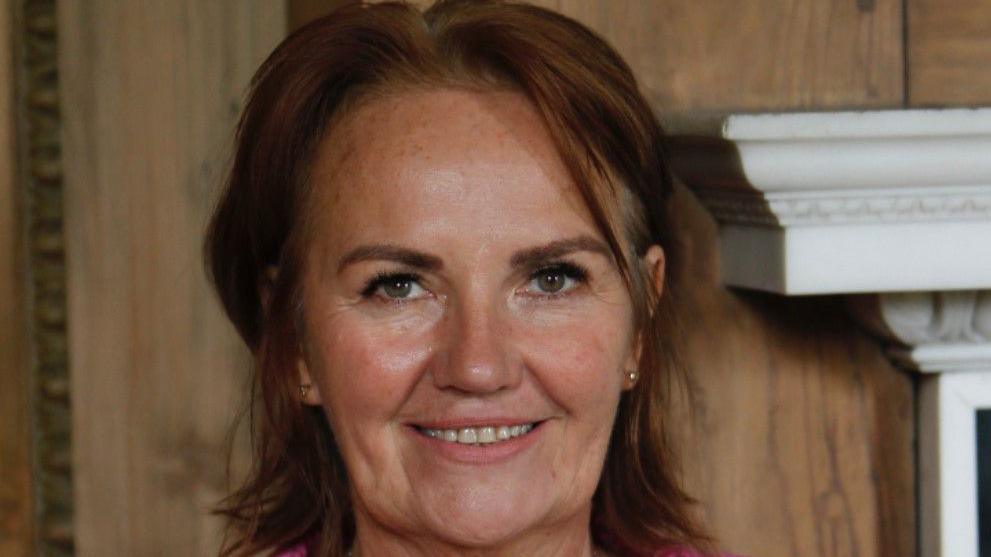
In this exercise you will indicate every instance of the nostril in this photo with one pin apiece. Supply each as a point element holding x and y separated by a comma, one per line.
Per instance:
<point>475,351</point>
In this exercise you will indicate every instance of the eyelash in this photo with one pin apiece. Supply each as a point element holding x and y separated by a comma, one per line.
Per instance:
<point>570,270</point>
<point>383,278</point>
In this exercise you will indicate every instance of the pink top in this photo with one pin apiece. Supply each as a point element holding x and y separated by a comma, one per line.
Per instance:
<point>295,551</point>
<point>300,551</point>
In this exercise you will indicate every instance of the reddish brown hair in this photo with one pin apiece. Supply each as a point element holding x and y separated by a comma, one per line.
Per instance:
<point>607,136</point>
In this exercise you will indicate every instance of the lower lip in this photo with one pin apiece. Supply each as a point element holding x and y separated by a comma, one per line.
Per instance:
<point>490,453</point>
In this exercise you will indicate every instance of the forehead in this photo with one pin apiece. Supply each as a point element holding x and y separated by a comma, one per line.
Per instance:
<point>421,123</point>
<point>423,155</point>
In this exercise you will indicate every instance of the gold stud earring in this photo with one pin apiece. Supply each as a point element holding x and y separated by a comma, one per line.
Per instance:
<point>304,389</point>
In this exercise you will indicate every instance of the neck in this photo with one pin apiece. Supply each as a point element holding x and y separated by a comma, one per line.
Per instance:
<point>568,538</point>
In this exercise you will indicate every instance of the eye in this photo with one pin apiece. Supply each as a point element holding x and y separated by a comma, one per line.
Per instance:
<point>398,287</point>
<point>556,279</point>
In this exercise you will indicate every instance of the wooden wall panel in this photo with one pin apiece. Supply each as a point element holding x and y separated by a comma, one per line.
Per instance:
<point>728,55</point>
<point>304,11</point>
<point>755,55</point>
<point>15,440</point>
<point>800,439</point>
<point>151,92</point>
<point>949,52</point>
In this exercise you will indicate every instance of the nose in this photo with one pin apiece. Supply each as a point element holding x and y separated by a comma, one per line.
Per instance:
<point>477,355</point>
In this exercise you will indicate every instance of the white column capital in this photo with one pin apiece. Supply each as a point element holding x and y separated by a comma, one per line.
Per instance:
<point>932,332</point>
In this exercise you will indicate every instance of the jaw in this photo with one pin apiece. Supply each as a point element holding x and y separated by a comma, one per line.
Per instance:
<point>471,537</point>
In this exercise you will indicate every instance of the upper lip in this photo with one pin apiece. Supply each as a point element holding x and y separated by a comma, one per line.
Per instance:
<point>456,423</point>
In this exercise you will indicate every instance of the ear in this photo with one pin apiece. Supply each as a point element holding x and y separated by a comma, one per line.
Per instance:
<point>653,262</point>
<point>309,392</point>
<point>266,287</point>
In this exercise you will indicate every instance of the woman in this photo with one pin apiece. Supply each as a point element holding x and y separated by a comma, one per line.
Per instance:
<point>443,239</point>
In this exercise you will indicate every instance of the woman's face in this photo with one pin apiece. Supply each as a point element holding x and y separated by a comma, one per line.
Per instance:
<point>456,295</point>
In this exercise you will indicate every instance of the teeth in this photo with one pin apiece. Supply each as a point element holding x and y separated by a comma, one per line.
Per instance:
<point>468,435</point>
<point>479,435</point>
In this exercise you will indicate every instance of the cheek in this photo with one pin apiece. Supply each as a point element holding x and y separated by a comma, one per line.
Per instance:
<point>364,372</point>
<point>580,360</point>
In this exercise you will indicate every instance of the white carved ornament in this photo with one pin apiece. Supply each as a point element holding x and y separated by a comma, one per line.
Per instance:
<point>936,331</point>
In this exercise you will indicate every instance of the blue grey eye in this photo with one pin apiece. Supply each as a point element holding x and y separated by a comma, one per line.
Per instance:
<point>551,281</point>
<point>556,279</point>
<point>398,287</point>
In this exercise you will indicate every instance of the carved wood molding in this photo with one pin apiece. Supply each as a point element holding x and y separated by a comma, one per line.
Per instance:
<point>39,130</point>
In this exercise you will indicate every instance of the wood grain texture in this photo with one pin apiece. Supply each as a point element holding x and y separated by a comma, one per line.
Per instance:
<point>16,512</point>
<point>755,55</point>
<point>800,439</point>
<point>949,52</point>
<point>302,12</point>
<point>728,55</point>
<point>151,93</point>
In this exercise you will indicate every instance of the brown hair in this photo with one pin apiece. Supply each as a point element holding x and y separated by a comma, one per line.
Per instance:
<point>607,136</point>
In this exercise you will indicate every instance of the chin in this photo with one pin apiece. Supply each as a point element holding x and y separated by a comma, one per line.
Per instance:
<point>479,518</point>
<point>480,534</point>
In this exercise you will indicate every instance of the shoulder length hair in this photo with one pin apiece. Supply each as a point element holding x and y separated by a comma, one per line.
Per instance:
<point>608,138</point>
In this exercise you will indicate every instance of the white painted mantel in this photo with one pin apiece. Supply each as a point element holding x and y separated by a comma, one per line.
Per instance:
<point>895,204</point>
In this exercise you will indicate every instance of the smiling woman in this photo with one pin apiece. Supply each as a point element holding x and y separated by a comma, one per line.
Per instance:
<point>470,296</point>
<point>443,239</point>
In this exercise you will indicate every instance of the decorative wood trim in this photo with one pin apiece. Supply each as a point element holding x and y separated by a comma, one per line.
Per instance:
<point>40,138</point>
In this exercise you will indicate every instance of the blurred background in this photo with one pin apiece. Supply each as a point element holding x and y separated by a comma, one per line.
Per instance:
<point>120,379</point>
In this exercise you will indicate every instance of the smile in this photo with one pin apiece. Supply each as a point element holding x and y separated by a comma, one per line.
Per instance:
<point>484,435</point>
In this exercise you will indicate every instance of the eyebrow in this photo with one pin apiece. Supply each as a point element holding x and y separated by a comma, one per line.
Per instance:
<point>528,258</point>
<point>536,256</point>
<point>386,252</point>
